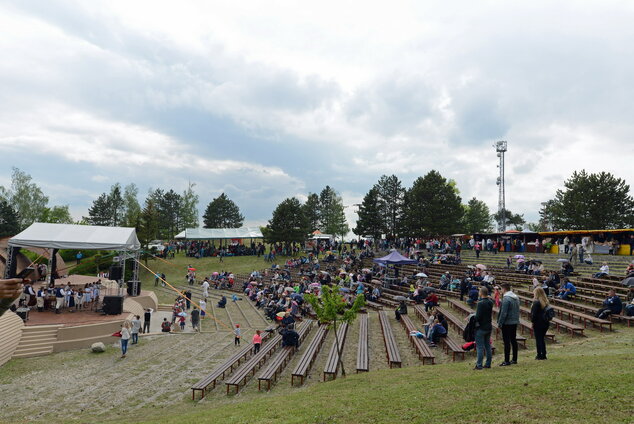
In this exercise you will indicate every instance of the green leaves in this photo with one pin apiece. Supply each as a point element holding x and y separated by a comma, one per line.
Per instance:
<point>331,307</point>
<point>288,224</point>
<point>222,212</point>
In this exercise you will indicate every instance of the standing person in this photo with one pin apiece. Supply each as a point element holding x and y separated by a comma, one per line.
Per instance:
<point>195,318</point>
<point>477,249</point>
<point>237,333</point>
<point>540,322</point>
<point>125,337</point>
<point>40,299</point>
<point>483,314</point>
<point>147,318</point>
<point>203,307</point>
<point>136,327</point>
<point>59,299</point>
<point>188,299</point>
<point>205,287</point>
<point>566,245</point>
<point>508,318</point>
<point>79,256</point>
<point>257,341</point>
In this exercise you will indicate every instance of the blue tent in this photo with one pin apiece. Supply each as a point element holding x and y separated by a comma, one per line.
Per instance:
<point>394,258</point>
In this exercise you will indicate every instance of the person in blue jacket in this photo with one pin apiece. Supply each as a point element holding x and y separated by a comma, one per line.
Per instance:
<point>611,305</point>
<point>567,290</point>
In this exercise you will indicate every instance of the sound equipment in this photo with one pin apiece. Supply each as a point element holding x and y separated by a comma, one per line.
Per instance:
<point>116,272</point>
<point>113,305</point>
<point>134,288</point>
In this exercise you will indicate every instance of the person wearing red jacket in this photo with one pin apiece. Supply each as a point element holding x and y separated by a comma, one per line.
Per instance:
<point>431,301</point>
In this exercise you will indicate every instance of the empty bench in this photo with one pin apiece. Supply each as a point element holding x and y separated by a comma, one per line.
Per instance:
<point>307,359</point>
<point>281,358</point>
<point>224,369</point>
<point>391,348</point>
<point>332,363</point>
<point>363,360</point>
<point>239,378</point>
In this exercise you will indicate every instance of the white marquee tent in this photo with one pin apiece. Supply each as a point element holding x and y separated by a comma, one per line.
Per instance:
<point>219,233</point>
<point>77,237</point>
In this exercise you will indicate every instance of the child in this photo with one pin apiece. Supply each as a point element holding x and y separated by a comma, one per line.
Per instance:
<point>236,332</point>
<point>496,296</point>
<point>203,306</point>
<point>181,322</point>
<point>257,341</point>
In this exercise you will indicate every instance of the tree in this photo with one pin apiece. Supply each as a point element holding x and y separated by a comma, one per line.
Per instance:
<point>25,197</point>
<point>131,207</point>
<point>99,213</point>
<point>546,220</point>
<point>170,206</point>
<point>477,218</point>
<point>288,223</point>
<point>312,211</point>
<point>222,212</point>
<point>392,203</point>
<point>370,222</point>
<point>433,207</point>
<point>593,201</point>
<point>189,207</point>
<point>515,220</point>
<point>148,223</point>
<point>332,215</point>
<point>116,205</point>
<point>9,220</point>
<point>331,309</point>
<point>57,215</point>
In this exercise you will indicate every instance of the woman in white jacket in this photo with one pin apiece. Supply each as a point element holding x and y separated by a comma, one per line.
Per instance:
<point>125,337</point>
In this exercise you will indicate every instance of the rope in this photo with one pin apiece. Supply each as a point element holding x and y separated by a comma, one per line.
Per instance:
<point>183,294</point>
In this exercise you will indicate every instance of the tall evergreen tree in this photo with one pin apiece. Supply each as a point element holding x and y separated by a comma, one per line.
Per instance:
<point>170,207</point>
<point>477,218</point>
<point>391,195</point>
<point>9,221</point>
<point>370,222</point>
<point>222,212</point>
<point>332,215</point>
<point>433,207</point>
<point>100,213</point>
<point>149,222</point>
<point>288,223</point>
<point>116,205</point>
<point>312,211</point>
<point>131,206</point>
<point>593,202</point>
<point>26,198</point>
<point>189,207</point>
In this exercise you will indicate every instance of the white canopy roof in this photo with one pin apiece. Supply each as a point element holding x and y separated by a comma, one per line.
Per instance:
<point>219,233</point>
<point>79,237</point>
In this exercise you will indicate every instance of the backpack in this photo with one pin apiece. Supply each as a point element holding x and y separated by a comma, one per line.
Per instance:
<point>470,329</point>
<point>548,313</point>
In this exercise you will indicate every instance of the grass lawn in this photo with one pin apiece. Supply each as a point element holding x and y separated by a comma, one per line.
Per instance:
<point>176,269</point>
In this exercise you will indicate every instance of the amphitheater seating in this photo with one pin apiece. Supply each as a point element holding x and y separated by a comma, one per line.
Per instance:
<point>307,359</point>
<point>391,347</point>
<point>363,359</point>
<point>240,377</point>
<point>332,363</point>
<point>424,352</point>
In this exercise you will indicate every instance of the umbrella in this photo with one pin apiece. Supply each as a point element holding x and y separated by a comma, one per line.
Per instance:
<point>399,298</point>
<point>629,281</point>
<point>215,273</point>
<point>182,314</point>
<point>344,289</point>
<point>324,272</point>
<point>366,270</point>
<point>281,314</point>
<point>518,257</point>
<point>520,260</point>
<point>314,285</point>
<point>470,266</point>
<point>421,275</point>
<point>191,269</point>
<point>481,266</point>
<point>296,296</point>
<point>562,260</point>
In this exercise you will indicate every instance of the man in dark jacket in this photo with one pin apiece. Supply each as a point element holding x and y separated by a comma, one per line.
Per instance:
<point>508,319</point>
<point>611,305</point>
<point>483,315</point>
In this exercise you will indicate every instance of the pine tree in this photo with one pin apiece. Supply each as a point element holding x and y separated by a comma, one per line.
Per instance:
<point>332,215</point>
<point>99,213</point>
<point>312,211</point>
<point>222,212</point>
<point>9,221</point>
<point>288,223</point>
<point>391,195</point>
<point>131,206</point>
<point>116,205</point>
<point>370,222</point>
<point>189,207</point>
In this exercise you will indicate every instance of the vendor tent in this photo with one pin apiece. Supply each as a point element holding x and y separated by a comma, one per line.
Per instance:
<point>219,233</point>
<point>394,258</point>
<point>78,237</point>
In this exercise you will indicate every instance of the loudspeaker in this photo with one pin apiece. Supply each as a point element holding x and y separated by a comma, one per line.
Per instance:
<point>113,305</point>
<point>116,272</point>
<point>134,288</point>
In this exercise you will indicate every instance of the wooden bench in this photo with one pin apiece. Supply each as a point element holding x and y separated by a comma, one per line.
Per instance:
<point>574,314</point>
<point>239,378</point>
<point>449,343</point>
<point>332,363</point>
<point>307,359</point>
<point>374,305</point>
<point>363,360</point>
<point>280,359</point>
<point>391,348</point>
<point>227,367</point>
<point>424,351</point>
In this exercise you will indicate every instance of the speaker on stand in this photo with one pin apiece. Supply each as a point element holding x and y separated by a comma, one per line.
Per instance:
<point>113,305</point>
<point>134,288</point>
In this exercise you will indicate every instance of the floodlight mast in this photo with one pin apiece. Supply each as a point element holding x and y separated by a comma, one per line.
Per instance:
<point>500,148</point>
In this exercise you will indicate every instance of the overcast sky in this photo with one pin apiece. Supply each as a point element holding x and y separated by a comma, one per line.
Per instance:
<point>268,100</point>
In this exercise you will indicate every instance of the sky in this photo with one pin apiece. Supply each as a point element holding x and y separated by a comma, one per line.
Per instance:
<point>269,100</point>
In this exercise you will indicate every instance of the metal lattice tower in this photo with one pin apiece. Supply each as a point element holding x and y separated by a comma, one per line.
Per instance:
<point>500,148</point>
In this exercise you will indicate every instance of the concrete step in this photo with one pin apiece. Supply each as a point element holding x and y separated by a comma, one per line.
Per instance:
<point>36,344</point>
<point>31,334</point>
<point>34,351</point>
<point>37,338</point>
